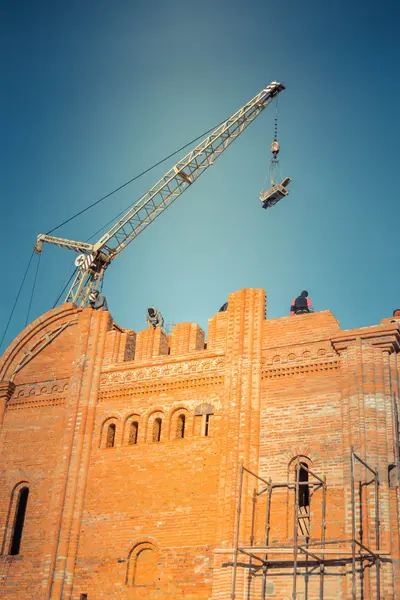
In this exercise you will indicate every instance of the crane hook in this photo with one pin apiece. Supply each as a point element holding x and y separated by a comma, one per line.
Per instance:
<point>277,190</point>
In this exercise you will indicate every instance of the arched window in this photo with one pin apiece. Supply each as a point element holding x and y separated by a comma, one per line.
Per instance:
<point>110,435</point>
<point>304,490</point>
<point>392,475</point>
<point>203,420</point>
<point>207,425</point>
<point>19,520</point>
<point>143,568</point>
<point>157,423</point>
<point>133,433</point>
<point>180,426</point>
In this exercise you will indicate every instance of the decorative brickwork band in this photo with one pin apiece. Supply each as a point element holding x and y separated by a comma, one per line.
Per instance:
<point>6,391</point>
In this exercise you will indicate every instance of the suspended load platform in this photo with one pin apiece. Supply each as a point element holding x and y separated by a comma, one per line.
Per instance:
<point>275,193</point>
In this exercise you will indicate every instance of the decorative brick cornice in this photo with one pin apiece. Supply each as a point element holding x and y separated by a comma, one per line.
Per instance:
<point>164,385</point>
<point>387,338</point>
<point>38,394</point>
<point>288,370</point>
<point>55,387</point>
<point>157,371</point>
<point>25,403</point>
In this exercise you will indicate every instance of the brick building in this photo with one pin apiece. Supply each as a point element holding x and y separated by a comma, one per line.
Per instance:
<point>126,457</point>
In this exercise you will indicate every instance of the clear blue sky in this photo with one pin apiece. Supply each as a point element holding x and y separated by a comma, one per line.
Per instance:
<point>94,92</point>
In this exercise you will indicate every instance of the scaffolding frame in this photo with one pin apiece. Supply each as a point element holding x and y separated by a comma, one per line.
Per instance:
<point>316,559</point>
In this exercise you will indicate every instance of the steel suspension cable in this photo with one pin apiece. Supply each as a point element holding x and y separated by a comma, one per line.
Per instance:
<point>132,180</point>
<point>33,290</point>
<point>16,299</point>
<point>65,287</point>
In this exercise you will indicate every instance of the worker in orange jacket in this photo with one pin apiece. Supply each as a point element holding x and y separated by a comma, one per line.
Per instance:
<point>301,305</point>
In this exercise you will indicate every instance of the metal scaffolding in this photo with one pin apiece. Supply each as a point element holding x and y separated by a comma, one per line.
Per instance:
<point>306,552</point>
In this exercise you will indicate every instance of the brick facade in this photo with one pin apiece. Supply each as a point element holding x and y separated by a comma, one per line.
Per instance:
<point>131,447</point>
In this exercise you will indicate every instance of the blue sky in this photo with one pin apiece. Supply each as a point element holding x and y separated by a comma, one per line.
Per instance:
<point>95,92</point>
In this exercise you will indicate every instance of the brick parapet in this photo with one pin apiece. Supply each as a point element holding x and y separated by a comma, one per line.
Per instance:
<point>240,431</point>
<point>119,347</point>
<point>185,338</point>
<point>151,343</point>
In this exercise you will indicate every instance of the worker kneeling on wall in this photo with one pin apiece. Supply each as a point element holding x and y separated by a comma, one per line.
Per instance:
<point>301,305</point>
<point>154,318</point>
<point>98,301</point>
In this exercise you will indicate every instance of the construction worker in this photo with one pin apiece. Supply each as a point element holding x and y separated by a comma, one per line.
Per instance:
<point>98,301</point>
<point>396,316</point>
<point>154,318</point>
<point>301,305</point>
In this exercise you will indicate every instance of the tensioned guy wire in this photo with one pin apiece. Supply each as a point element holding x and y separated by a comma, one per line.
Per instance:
<point>133,179</point>
<point>33,290</point>
<point>16,299</point>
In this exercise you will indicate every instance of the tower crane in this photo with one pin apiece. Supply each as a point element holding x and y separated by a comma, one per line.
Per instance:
<point>95,258</point>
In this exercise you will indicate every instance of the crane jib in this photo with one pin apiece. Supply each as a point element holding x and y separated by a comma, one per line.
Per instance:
<point>152,204</point>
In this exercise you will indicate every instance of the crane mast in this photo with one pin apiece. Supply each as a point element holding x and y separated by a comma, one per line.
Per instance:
<point>95,258</point>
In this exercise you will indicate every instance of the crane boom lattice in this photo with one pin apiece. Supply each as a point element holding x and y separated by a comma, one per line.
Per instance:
<point>155,201</point>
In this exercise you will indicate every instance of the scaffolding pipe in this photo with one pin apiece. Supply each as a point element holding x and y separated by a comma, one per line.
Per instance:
<point>314,562</point>
<point>323,528</point>
<point>266,537</point>
<point>295,533</point>
<point>253,515</point>
<point>377,537</point>
<point>255,475</point>
<point>366,465</point>
<point>236,547</point>
<point>353,529</point>
<point>364,582</point>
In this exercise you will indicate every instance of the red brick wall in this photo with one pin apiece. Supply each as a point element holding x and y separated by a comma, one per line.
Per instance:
<point>157,519</point>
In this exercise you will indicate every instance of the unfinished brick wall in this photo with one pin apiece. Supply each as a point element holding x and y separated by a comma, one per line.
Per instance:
<point>131,446</point>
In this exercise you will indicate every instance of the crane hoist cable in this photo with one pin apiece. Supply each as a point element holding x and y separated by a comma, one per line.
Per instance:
<point>274,168</point>
<point>274,174</point>
<point>274,187</point>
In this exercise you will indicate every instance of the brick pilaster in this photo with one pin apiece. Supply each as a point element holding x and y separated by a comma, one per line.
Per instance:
<point>367,426</point>
<point>84,386</point>
<point>241,413</point>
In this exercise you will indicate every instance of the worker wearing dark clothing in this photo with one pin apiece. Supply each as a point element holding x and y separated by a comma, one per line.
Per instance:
<point>396,315</point>
<point>301,305</point>
<point>98,301</point>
